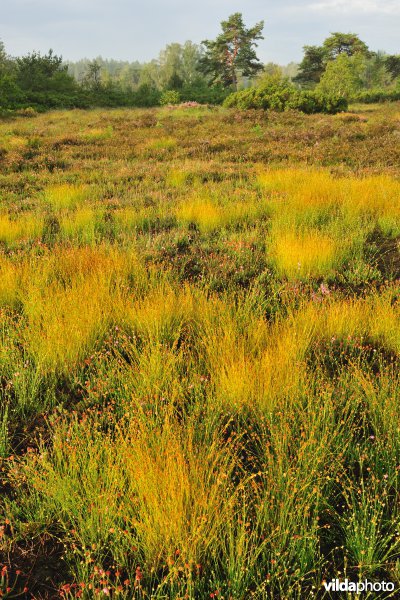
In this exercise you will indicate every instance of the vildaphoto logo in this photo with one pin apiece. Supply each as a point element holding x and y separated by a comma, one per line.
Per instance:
<point>345,585</point>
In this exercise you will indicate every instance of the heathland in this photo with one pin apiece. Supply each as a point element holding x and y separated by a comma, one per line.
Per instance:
<point>199,352</point>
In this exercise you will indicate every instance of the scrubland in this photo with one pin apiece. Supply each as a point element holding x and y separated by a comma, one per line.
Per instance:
<point>199,353</point>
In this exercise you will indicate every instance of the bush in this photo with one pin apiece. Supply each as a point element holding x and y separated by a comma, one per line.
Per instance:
<point>377,95</point>
<point>145,96</point>
<point>170,97</point>
<point>329,104</point>
<point>202,93</point>
<point>279,94</point>
<point>10,94</point>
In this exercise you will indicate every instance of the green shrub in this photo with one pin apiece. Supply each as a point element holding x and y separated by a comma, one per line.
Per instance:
<point>279,95</point>
<point>10,93</point>
<point>170,97</point>
<point>377,95</point>
<point>200,92</point>
<point>145,96</point>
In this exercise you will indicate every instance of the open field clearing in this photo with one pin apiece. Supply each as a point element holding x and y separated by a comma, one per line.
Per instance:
<point>199,353</point>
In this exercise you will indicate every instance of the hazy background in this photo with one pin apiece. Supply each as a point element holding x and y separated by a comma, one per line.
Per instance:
<point>133,30</point>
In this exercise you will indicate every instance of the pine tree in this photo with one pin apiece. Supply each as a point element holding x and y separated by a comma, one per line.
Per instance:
<point>232,52</point>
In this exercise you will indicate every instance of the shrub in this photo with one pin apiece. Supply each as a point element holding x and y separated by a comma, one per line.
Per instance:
<point>145,96</point>
<point>10,94</point>
<point>204,94</point>
<point>170,97</point>
<point>279,94</point>
<point>377,95</point>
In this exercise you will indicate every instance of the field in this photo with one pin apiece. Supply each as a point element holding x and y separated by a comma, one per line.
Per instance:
<point>199,353</point>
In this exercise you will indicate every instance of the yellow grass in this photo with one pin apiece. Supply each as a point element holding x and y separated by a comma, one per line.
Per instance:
<point>303,255</point>
<point>205,215</point>
<point>8,282</point>
<point>97,133</point>
<point>176,178</point>
<point>130,218</point>
<point>179,521</point>
<point>70,298</point>
<point>206,396</point>
<point>161,143</point>
<point>15,142</point>
<point>22,227</point>
<point>303,195</point>
<point>210,216</point>
<point>162,315</point>
<point>65,196</point>
<point>80,225</point>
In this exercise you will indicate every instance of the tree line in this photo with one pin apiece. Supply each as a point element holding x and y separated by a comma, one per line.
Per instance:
<point>341,69</point>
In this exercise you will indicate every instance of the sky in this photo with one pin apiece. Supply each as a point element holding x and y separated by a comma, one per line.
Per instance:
<point>138,30</point>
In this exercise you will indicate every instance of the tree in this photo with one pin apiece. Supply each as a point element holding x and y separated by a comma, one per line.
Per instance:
<point>290,70</point>
<point>45,73</point>
<point>130,75</point>
<point>232,52</point>
<point>170,62</point>
<point>191,56</point>
<point>92,78</point>
<point>392,65</point>
<point>316,58</point>
<point>179,65</point>
<point>312,66</point>
<point>341,77</point>
<point>7,64</point>
<point>271,69</point>
<point>344,43</point>
<point>10,94</point>
<point>375,73</point>
<point>3,56</point>
<point>150,75</point>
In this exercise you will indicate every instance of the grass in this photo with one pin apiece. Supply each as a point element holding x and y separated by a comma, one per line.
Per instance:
<point>299,255</point>
<point>199,353</point>
<point>13,231</point>
<point>64,196</point>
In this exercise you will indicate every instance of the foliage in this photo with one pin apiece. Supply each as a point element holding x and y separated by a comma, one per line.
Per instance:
<point>200,91</point>
<point>145,95</point>
<point>373,71</point>
<point>340,78</point>
<point>392,64</point>
<point>312,66</point>
<point>170,97</point>
<point>203,74</point>
<point>10,93</point>
<point>279,94</point>
<point>232,52</point>
<point>317,58</point>
<point>92,77</point>
<point>178,65</point>
<point>373,96</point>
<point>344,43</point>
<point>37,73</point>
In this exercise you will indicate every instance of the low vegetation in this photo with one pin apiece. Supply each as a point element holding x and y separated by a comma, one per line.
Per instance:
<point>199,352</point>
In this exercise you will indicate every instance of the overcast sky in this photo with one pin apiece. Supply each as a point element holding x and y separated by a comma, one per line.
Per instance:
<point>138,30</point>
